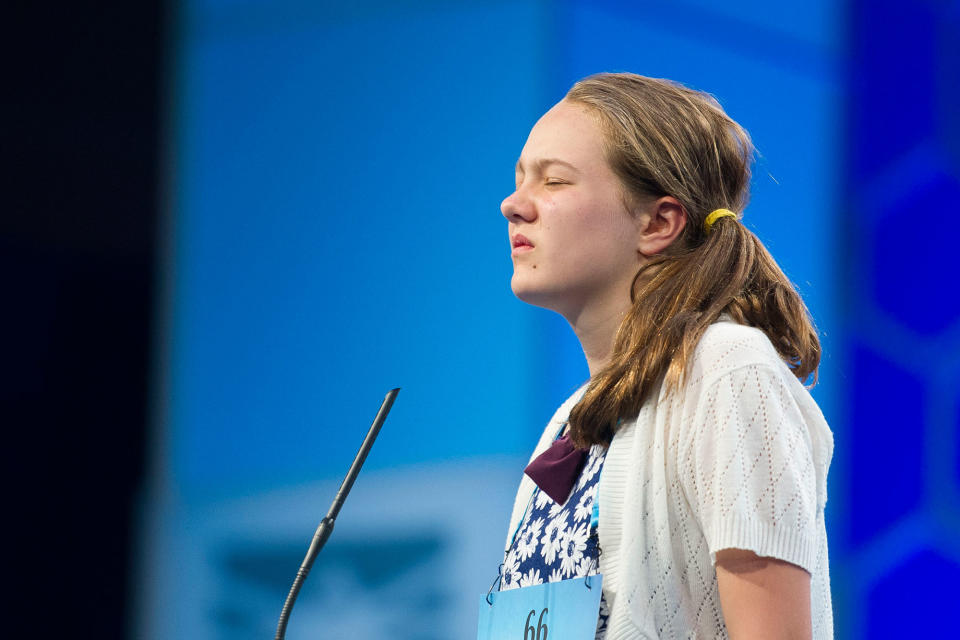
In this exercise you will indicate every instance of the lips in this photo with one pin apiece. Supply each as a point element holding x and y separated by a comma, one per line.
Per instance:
<point>519,240</point>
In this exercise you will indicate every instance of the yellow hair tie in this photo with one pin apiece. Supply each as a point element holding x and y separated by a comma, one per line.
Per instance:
<point>715,215</point>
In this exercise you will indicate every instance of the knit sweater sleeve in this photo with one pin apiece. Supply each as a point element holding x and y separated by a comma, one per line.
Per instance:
<point>746,465</point>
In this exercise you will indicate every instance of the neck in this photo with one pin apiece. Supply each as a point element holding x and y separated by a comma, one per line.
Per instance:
<point>596,327</point>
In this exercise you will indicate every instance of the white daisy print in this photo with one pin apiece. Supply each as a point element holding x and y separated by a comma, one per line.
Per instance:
<point>511,574</point>
<point>542,499</point>
<point>531,578</point>
<point>584,506</point>
<point>527,543</point>
<point>551,540</point>
<point>555,576</point>
<point>573,542</point>
<point>594,462</point>
<point>602,619</point>
<point>587,567</point>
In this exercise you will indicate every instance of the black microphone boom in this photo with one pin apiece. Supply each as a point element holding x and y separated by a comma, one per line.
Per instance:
<point>326,525</point>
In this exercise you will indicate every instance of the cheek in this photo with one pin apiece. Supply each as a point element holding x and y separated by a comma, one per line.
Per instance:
<point>610,227</point>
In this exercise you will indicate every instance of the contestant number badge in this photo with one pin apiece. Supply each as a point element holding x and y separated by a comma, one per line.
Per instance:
<point>565,610</point>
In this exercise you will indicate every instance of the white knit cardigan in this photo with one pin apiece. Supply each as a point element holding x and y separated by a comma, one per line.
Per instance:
<point>737,459</point>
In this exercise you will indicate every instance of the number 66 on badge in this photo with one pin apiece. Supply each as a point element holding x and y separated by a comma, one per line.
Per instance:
<point>541,630</point>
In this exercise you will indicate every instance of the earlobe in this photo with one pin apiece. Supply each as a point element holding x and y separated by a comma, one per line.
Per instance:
<point>662,222</point>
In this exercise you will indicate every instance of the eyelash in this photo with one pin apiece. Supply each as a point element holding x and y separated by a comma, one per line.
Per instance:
<point>548,182</point>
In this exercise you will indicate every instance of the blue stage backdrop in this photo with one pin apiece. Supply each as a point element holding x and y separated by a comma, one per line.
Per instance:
<point>333,189</point>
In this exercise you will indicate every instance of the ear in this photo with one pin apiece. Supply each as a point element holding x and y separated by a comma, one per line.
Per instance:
<point>660,223</point>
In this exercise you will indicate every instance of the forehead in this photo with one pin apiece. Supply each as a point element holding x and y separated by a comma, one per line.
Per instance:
<point>569,132</point>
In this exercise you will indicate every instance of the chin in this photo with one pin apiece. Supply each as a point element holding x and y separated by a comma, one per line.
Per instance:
<point>530,293</point>
<point>522,290</point>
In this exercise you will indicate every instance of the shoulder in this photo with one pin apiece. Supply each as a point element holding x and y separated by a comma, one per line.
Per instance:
<point>737,380</point>
<point>727,346</point>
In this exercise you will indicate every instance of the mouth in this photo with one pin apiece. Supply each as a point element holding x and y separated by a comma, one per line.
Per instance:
<point>520,243</point>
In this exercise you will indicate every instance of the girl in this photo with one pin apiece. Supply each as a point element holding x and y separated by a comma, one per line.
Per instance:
<point>691,468</point>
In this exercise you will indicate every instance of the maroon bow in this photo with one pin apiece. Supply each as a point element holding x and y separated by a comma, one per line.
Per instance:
<point>556,470</point>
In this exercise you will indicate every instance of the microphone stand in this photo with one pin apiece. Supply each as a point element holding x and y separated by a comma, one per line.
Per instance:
<point>326,525</point>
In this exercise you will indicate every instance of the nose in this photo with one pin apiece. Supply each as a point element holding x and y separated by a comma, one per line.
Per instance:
<point>517,207</point>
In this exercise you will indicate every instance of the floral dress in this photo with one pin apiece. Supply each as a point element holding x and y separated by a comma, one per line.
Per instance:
<point>555,541</point>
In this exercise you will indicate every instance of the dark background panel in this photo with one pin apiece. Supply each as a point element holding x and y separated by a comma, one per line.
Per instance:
<point>77,258</point>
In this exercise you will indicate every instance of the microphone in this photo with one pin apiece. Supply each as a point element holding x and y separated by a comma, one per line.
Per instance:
<point>326,525</point>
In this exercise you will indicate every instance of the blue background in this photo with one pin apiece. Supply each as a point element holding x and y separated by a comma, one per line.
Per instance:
<point>333,180</point>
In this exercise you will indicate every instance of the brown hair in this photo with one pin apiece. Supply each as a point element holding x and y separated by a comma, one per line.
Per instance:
<point>663,139</point>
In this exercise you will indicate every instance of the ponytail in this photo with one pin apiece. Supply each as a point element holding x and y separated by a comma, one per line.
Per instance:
<point>673,301</point>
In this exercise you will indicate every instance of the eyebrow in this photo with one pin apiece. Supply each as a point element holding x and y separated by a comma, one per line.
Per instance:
<point>545,162</point>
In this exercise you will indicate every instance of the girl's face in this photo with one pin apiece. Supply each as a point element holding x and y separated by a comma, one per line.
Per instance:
<point>574,243</point>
